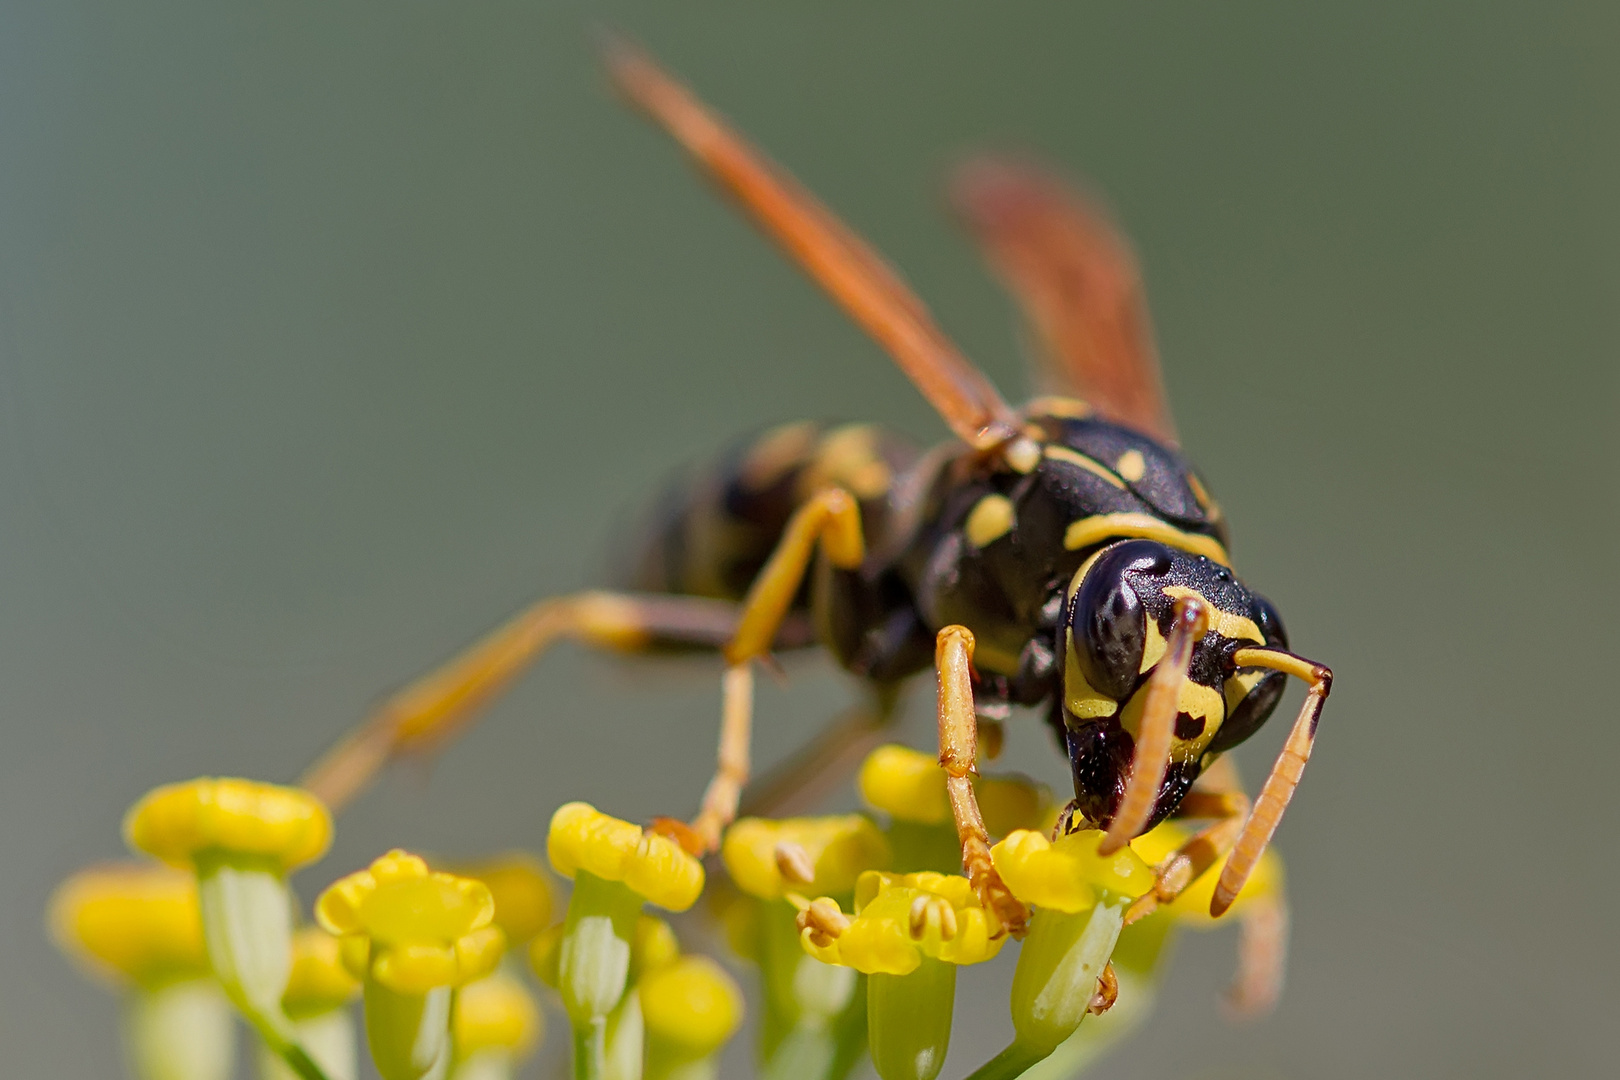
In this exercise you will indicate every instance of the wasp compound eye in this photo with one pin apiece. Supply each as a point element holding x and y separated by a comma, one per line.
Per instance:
<point>1108,621</point>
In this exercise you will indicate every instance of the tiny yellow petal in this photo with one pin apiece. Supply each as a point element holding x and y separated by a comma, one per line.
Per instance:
<point>837,850</point>
<point>583,838</point>
<point>693,1004</point>
<point>496,1013</point>
<point>906,784</point>
<point>900,918</point>
<point>1066,875</point>
<point>130,922</point>
<point>174,823</point>
<point>416,967</point>
<point>522,890</point>
<point>320,981</point>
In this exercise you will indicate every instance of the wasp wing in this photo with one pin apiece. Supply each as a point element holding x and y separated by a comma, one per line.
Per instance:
<point>856,277</point>
<point>1077,282</point>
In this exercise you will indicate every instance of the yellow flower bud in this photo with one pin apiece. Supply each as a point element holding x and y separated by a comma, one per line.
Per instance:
<point>906,784</point>
<point>691,1007</point>
<point>425,929</point>
<point>1066,875</point>
<point>286,826</point>
<point>319,981</point>
<point>652,946</point>
<point>899,919</point>
<point>133,923</point>
<point>496,1013</point>
<point>653,866</point>
<point>813,856</point>
<point>522,889</point>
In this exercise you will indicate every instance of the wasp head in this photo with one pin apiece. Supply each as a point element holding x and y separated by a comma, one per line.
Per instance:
<point>1121,604</point>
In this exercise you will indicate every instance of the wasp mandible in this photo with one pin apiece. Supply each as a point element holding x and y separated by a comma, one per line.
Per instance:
<point>1063,555</point>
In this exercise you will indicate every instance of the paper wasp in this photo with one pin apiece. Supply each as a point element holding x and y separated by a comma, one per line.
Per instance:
<point>1063,555</point>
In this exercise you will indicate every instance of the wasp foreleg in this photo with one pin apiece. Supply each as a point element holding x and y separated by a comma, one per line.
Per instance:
<point>958,751</point>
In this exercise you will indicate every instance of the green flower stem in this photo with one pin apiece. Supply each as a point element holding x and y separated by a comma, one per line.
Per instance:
<point>909,1020</point>
<point>180,1031</point>
<point>247,932</point>
<point>624,1040</point>
<point>813,1012</point>
<point>409,1034</point>
<point>1054,982</point>
<point>329,1039</point>
<point>590,1048</point>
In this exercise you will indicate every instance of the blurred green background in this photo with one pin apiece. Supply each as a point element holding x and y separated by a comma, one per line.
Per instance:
<point>331,333</point>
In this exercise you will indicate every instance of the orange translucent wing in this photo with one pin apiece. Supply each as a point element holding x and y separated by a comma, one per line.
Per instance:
<point>856,277</point>
<point>1077,282</point>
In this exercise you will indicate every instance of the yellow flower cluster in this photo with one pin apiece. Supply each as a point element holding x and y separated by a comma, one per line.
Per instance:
<point>816,856</point>
<point>898,920</point>
<point>410,928</point>
<point>1065,875</point>
<point>655,867</point>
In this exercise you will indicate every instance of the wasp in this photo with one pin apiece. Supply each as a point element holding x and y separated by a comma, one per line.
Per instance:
<point>1063,556</point>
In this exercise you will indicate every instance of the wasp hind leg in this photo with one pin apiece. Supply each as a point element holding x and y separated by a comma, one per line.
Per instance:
<point>958,751</point>
<point>439,705</point>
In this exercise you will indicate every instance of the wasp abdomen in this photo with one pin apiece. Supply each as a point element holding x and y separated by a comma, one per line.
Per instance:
<point>712,533</point>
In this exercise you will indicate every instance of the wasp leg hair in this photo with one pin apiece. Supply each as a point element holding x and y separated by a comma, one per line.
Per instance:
<point>441,703</point>
<point>1153,738</point>
<point>958,753</point>
<point>840,262</point>
<point>1279,786</point>
<point>830,521</point>
<point>800,781</point>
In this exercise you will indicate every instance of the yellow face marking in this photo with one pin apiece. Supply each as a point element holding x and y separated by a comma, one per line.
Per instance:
<point>847,457</point>
<point>1194,699</point>
<point>991,518</point>
<point>1096,468</point>
<point>1066,407</point>
<point>1078,696</point>
<point>1153,650</point>
<point>1224,623</point>
<point>1205,503</point>
<point>1100,527</point>
<point>1131,465</point>
<point>776,452</point>
<point>1022,455</point>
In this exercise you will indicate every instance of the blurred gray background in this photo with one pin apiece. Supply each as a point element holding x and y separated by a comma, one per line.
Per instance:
<point>332,333</point>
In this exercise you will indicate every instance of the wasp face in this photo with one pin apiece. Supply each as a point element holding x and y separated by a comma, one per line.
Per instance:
<point>1120,606</point>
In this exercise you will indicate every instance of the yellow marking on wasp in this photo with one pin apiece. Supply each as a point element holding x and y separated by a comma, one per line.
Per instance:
<point>1100,527</point>
<point>1079,460</point>
<point>1066,407</point>
<point>777,451</point>
<point>1023,454</point>
<point>1153,650</point>
<point>1131,465</point>
<point>1224,623</point>
<point>1211,511</point>
<point>1080,699</point>
<point>1194,699</point>
<point>847,457</point>
<point>991,518</point>
<point>1239,686</point>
